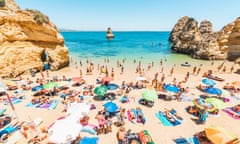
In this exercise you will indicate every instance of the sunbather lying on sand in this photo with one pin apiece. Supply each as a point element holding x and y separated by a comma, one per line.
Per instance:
<point>169,116</point>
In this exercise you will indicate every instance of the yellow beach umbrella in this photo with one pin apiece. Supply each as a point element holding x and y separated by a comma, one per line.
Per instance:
<point>219,135</point>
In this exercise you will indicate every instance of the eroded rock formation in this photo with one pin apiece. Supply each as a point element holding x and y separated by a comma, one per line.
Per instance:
<point>109,34</point>
<point>24,38</point>
<point>202,43</point>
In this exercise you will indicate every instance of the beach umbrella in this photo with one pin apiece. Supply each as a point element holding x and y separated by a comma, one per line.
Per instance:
<point>150,95</point>
<point>50,85</point>
<point>110,106</point>
<point>112,86</point>
<point>106,79</point>
<point>171,88</point>
<point>218,104</point>
<point>213,90</point>
<point>100,90</point>
<point>208,82</point>
<point>219,135</point>
<point>201,103</point>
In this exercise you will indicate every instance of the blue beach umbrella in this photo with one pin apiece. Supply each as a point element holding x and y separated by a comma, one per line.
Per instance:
<point>171,88</point>
<point>212,90</point>
<point>208,82</point>
<point>112,86</point>
<point>110,106</point>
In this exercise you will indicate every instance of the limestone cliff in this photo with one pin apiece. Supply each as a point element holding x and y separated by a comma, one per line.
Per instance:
<point>24,40</point>
<point>229,39</point>
<point>201,42</point>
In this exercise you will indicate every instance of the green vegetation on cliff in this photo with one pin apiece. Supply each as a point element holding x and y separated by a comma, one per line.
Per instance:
<point>39,17</point>
<point>2,3</point>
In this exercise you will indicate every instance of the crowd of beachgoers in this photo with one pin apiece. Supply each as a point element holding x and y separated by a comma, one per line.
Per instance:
<point>113,102</point>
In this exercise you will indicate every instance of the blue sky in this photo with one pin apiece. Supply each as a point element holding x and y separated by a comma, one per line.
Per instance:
<point>159,15</point>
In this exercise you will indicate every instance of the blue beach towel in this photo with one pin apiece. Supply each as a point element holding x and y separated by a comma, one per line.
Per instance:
<point>181,141</point>
<point>30,104</point>
<point>54,104</point>
<point>2,111</point>
<point>163,119</point>
<point>193,140</point>
<point>89,140</point>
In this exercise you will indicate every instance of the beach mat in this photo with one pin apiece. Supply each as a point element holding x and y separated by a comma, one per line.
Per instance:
<point>232,113</point>
<point>53,104</point>
<point>89,140</point>
<point>163,119</point>
<point>191,140</point>
<point>30,104</point>
<point>145,137</point>
<point>2,111</point>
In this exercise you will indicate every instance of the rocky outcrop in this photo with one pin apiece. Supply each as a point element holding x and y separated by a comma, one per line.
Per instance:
<point>109,34</point>
<point>202,43</point>
<point>229,39</point>
<point>24,40</point>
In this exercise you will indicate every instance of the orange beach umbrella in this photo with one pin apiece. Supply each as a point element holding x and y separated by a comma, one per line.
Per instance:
<point>218,135</point>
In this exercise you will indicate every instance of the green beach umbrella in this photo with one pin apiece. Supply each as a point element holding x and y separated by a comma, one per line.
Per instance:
<point>218,104</point>
<point>100,90</point>
<point>50,85</point>
<point>150,95</point>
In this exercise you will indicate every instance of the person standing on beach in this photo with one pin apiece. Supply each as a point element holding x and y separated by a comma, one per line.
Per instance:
<point>198,70</point>
<point>171,71</point>
<point>232,69</point>
<point>194,70</point>
<point>121,135</point>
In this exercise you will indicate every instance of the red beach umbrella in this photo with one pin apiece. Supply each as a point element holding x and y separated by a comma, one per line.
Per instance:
<point>106,79</point>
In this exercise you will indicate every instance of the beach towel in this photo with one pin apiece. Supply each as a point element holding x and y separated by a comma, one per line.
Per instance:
<point>161,116</point>
<point>232,113</point>
<point>89,140</point>
<point>53,104</point>
<point>145,137</point>
<point>30,104</point>
<point>2,111</point>
<point>142,119</point>
<point>191,140</point>
<point>46,105</point>
<point>163,119</point>
<point>181,141</point>
<point>14,101</point>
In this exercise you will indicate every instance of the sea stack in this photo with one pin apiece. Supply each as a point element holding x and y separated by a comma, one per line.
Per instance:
<point>109,33</point>
<point>25,36</point>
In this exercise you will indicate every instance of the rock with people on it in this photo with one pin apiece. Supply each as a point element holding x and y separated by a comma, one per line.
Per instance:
<point>109,34</point>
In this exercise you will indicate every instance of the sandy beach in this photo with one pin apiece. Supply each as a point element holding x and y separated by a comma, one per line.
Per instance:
<point>159,132</point>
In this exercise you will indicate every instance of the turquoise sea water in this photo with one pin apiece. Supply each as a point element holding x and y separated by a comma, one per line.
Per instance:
<point>132,45</point>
